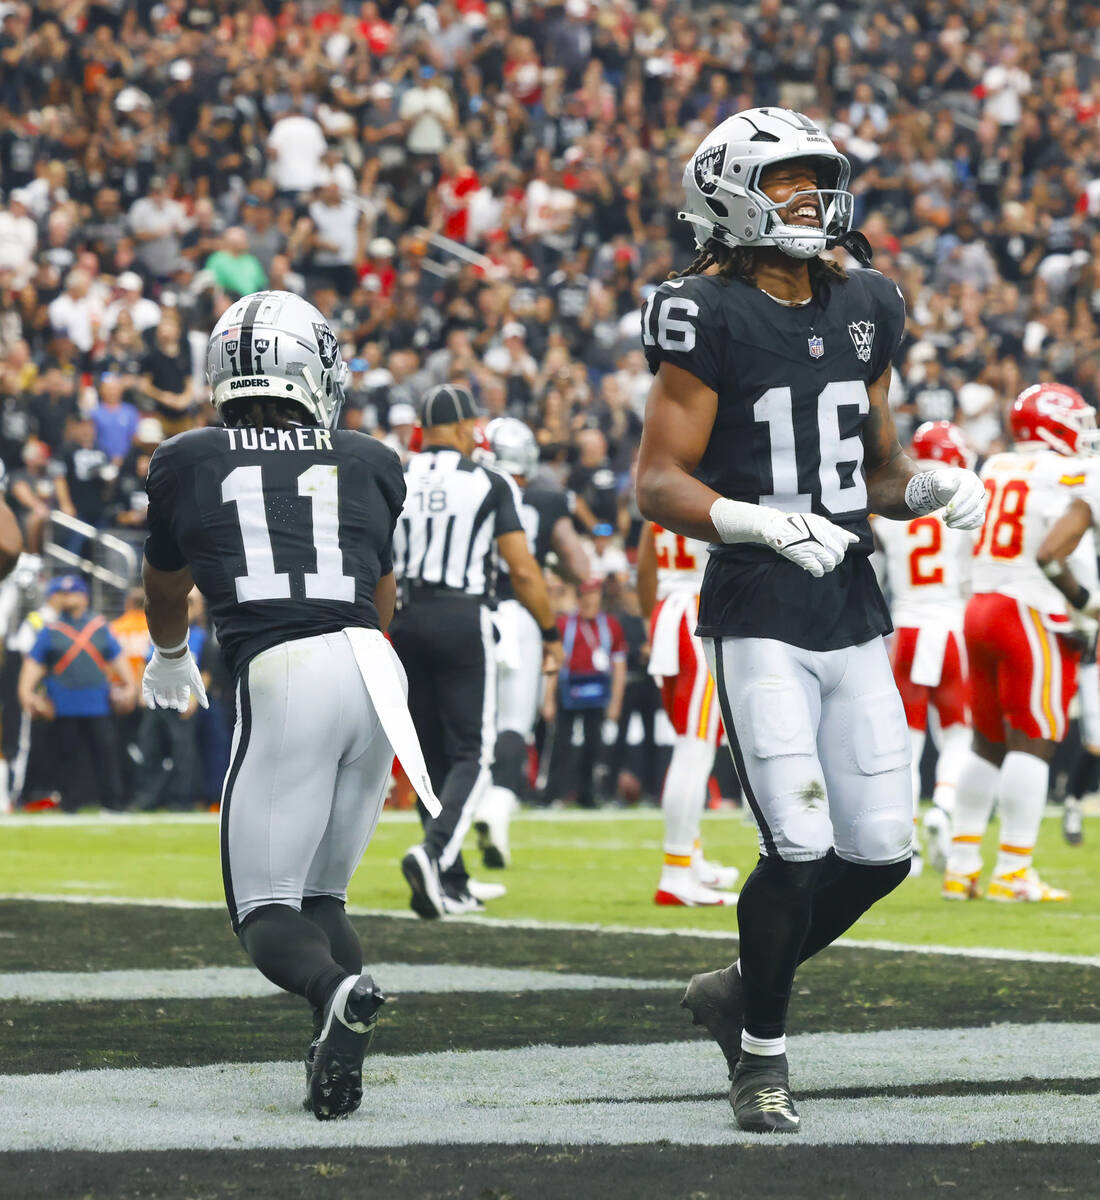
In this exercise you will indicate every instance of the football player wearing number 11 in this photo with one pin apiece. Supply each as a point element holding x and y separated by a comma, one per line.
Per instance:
<point>285,523</point>
<point>768,433</point>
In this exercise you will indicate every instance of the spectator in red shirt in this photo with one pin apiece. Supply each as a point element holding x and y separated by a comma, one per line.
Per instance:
<point>590,691</point>
<point>453,194</point>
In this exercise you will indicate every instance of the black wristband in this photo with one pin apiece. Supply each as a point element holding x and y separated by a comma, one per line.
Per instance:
<point>551,635</point>
<point>1082,598</point>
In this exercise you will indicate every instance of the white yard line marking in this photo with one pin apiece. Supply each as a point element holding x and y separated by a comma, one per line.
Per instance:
<point>608,1094</point>
<point>719,935</point>
<point>213,982</point>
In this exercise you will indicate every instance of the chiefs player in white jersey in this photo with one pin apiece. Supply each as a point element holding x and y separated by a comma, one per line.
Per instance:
<point>927,569</point>
<point>670,572</point>
<point>1021,643</point>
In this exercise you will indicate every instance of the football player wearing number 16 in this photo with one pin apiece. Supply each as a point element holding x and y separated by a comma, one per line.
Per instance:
<point>285,523</point>
<point>768,432</point>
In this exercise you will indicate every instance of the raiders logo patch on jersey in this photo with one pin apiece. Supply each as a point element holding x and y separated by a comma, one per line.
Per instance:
<point>863,335</point>
<point>708,169</point>
<point>327,345</point>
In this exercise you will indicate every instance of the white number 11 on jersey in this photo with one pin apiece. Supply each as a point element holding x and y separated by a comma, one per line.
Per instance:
<point>244,486</point>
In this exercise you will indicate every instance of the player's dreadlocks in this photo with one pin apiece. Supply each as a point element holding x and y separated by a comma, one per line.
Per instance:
<point>264,414</point>
<point>736,262</point>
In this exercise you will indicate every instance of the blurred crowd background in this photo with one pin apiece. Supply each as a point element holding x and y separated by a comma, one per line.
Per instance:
<point>484,193</point>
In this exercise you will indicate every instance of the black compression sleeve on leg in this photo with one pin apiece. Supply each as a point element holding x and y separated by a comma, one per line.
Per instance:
<point>510,762</point>
<point>329,913</point>
<point>773,918</point>
<point>844,892</point>
<point>292,952</point>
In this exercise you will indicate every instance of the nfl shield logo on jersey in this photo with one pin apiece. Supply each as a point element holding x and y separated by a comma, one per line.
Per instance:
<point>863,334</point>
<point>817,347</point>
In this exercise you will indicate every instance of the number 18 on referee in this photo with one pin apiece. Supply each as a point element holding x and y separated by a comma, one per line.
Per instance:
<point>458,521</point>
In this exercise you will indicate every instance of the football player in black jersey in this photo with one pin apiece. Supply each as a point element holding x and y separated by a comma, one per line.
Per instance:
<point>544,510</point>
<point>285,523</point>
<point>768,433</point>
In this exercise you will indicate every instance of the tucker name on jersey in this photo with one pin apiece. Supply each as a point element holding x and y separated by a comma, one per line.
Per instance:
<point>791,383</point>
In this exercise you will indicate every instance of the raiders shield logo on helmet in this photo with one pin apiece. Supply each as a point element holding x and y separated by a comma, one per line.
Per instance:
<point>863,334</point>
<point>708,168</point>
<point>327,345</point>
<point>231,347</point>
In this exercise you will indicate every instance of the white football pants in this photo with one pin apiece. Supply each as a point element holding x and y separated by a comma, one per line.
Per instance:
<point>821,746</point>
<point>307,776</point>
<point>519,669</point>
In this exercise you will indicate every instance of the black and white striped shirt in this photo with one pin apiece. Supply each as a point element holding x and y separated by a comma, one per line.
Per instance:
<point>455,509</point>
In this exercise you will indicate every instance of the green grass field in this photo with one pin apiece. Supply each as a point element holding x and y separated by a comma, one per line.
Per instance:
<point>598,869</point>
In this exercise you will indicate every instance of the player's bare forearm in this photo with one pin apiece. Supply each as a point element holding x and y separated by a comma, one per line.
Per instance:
<point>888,467</point>
<point>166,603</point>
<point>385,599</point>
<point>11,540</point>
<point>647,571</point>
<point>1060,542</point>
<point>527,580</point>
<point>886,487</point>
<point>679,418</point>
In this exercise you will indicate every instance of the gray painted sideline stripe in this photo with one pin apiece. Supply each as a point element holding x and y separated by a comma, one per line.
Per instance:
<point>575,1095</point>
<point>719,935</point>
<point>228,982</point>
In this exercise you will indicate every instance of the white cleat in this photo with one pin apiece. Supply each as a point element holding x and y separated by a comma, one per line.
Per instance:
<point>713,875</point>
<point>937,836</point>
<point>690,894</point>
<point>491,822</point>
<point>485,891</point>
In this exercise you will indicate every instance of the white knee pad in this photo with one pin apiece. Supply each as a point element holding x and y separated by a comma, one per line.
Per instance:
<point>777,719</point>
<point>807,830</point>
<point>881,836</point>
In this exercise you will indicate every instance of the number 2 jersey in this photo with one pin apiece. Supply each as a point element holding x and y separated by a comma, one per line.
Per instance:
<point>792,404</point>
<point>928,569</point>
<point>287,532</point>
<point>1028,491</point>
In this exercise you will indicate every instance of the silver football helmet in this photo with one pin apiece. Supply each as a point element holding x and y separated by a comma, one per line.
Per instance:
<point>513,446</point>
<point>277,346</point>
<point>722,183</point>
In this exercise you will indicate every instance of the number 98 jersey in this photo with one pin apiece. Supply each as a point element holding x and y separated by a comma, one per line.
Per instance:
<point>287,532</point>
<point>792,400</point>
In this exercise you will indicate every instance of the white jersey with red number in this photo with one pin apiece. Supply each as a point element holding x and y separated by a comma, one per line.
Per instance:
<point>1028,491</point>
<point>927,570</point>
<point>681,562</point>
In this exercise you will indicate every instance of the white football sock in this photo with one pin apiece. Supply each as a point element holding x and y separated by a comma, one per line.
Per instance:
<point>916,742</point>
<point>954,746</point>
<point>684,796</point>
<point>765,1046</point>
<point>1023,793</point>
<point>974,795</point>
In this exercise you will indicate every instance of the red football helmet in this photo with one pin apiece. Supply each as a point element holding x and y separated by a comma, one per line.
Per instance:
<point>1055,415</point>
<point>940,441</point>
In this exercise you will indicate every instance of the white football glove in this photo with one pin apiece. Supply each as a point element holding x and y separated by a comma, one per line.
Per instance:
<point>169,682</point>
<point>960,493</point>
<point>813,542</point>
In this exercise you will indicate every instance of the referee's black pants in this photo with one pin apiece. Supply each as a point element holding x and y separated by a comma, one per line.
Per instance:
<point>446,644</point>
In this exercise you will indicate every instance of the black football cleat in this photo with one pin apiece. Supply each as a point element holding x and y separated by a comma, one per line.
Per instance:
<point>336,1076</point>
<point>422,875</point>
<point>715,1001</point>
<point>759,1095</point>
<point>318,1025</point>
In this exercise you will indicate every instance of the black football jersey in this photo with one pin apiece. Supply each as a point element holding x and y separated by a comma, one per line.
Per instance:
<point>287,532</point>
<point>540,506</point>
<point>792,401</point>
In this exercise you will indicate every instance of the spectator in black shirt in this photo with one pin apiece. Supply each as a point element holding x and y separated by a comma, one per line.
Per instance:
<point>166,368</point>
<point>86,471</point>
<point>593,481</point>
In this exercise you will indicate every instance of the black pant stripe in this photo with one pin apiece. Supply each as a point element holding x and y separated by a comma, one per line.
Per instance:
<point>735,747</point>
<point>246,333</point>
<point>227,796</point>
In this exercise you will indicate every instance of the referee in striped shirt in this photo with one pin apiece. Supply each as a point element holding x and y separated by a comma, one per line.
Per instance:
<point>460,518</point>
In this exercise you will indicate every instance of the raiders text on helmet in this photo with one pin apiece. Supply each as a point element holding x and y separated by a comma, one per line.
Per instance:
<point>513,445</point>
<point>722,184</point>
<point>277,346</point>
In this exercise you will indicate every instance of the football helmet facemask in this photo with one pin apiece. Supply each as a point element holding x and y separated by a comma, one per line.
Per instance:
<point>722,184</point>
<point>276,346</point>
<point>942,442</point>
<point>513,445</point>
<point>1057,416</point>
